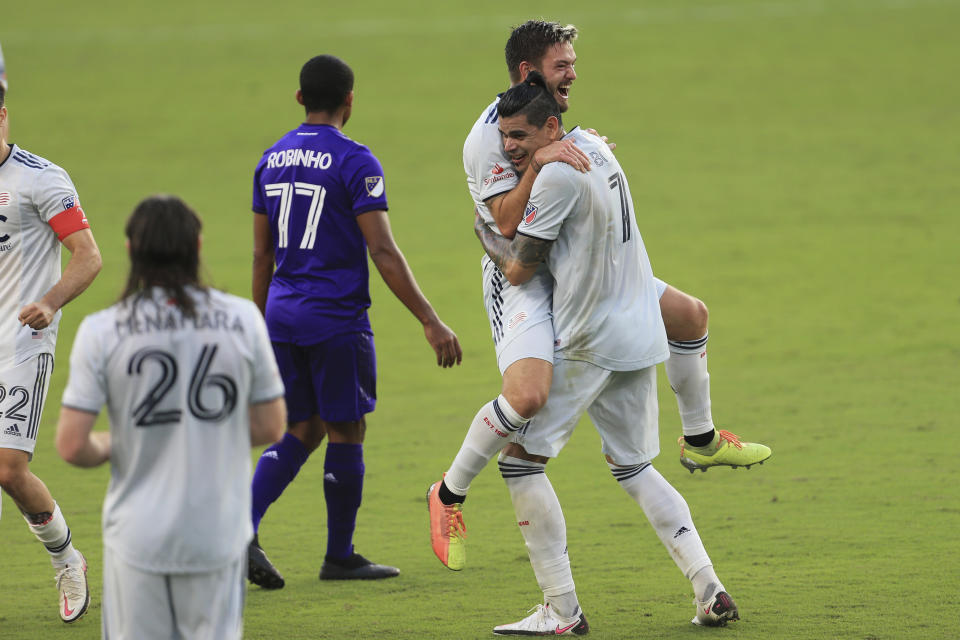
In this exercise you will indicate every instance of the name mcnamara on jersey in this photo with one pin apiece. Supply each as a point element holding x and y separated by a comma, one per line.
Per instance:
<point>174,320</point>
<point>299,157</point>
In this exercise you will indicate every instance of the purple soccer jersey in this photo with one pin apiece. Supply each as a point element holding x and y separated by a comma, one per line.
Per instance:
<point>312,184</point>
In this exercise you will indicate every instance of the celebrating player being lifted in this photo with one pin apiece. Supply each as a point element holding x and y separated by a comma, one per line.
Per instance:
<point>609,338</point>
<point>320,204</point>
<point>190,384</point>
<point>39,211</point>
<point>520,316</point>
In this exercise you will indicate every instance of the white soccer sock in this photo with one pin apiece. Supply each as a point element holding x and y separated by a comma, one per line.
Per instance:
<point>488,433</point>
<point>706,583</point>
<point>687,372</point>
<point>669,514</point>
<point>544,530</point>
<point>55,536</point>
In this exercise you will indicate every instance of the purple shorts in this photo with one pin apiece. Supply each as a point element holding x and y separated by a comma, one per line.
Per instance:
<point>335,379</point>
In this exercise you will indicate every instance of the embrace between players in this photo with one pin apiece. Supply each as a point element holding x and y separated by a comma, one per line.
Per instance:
<point>570,295</point>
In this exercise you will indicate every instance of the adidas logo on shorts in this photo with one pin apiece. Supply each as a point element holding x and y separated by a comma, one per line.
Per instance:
<point>12,430</point>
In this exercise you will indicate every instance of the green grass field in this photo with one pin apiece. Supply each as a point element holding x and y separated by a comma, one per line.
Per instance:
<point>794,163</point>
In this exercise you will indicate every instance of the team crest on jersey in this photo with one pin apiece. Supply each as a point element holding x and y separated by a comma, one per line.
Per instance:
<point>529,214</point>
<point>68,202</point>
<point>374,186</point>
<point>4,198</point>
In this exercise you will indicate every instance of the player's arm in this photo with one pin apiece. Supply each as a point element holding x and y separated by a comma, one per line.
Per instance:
<point>83,267</point>
<point>395,271</point>
<point>263,260</point>
<point>267,421</point>
<point>507,209</point>
<point>77,442</point>
<point>518,258</point>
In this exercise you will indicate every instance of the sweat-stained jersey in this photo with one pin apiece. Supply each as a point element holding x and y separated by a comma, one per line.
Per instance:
<point>39,207</point>
<point>312,184</point>
<point>177,392</point>
<point>605,305</point>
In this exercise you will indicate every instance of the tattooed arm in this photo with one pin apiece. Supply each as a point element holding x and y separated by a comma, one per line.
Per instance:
<point>518,258</point>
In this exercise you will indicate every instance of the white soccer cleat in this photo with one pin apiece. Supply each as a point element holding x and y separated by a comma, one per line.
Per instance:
<point>716,611</point>
<point>74,592</point>
<point>544,622</point>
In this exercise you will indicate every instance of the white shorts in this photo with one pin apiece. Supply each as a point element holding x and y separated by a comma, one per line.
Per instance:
<point>521,318</point>
<point>201,606</point>
<point>621,404</point>
<point>23,390</point>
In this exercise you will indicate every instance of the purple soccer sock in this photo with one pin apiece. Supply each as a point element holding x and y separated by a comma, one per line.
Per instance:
<point>343,489</point>
<point>277,467</point>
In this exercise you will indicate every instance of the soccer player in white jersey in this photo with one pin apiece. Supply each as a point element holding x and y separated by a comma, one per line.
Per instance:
<point>190,384</point>
<point>520,315</point>
<point>39,211</point>
<point>609,338</point>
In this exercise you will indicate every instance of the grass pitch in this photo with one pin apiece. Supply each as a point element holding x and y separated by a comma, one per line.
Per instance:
<point>794,164</point>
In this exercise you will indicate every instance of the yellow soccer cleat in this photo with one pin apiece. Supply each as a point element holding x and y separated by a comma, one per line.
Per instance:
<point>726,449</point>
<point>447,531</point>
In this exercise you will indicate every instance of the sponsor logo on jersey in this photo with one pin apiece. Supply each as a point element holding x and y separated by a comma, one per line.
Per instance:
<point>497,178</point>
<point>68,202</point>
<point>529,214</point>
<point>374,186</point>
<point>497,169</point>
<point>4,198</point>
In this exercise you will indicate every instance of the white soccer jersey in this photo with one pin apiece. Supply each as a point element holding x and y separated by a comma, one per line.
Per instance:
<point>489,170</point>
<point>605,305</point>
<point>177,392</point>
<point>33,193</point>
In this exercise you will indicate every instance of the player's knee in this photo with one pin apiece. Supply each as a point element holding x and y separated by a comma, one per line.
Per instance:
<point>688,320</point>
<point>528,400</point>
<point>11,477</point>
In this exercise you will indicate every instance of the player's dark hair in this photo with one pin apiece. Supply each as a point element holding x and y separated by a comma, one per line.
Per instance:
<point>530,41</point>
<point>3,94</point>
<point>164,235</point>
<point>325,82</point>
<point>531,98</point>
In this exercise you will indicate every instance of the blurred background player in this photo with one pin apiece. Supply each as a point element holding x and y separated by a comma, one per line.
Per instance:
<point>320,204</point>
<point>610,337</point>
<point>190,384</point>
<point>520,315</point>
<point>39,211</point>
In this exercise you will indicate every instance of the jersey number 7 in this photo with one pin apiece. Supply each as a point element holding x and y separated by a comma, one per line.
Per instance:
<point>286,191</point>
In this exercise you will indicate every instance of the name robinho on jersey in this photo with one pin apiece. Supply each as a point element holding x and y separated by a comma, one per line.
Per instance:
<point>299,158</point>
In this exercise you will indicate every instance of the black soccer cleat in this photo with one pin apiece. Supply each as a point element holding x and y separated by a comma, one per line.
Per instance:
<point>355,567</point>
<point>260,571</point>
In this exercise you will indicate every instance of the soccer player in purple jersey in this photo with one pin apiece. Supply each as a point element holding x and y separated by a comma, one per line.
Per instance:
<point>320,205</point>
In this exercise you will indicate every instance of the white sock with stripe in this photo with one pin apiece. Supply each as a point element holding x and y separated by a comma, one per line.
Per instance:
<point>488,433</point>
<point>687,372</point>
<point>670,517</point>
<point>55,536</point>
<point>544,531</point>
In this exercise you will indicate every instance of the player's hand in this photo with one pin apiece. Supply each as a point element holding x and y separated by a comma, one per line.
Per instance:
<point>444,342</point>
<point>563,151</point>
<point>37,315</point>
<point>612,145</point>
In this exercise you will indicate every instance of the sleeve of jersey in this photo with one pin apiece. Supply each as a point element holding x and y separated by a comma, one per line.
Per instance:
<point>58,203</point>
<point>87,385</point>
<point>491,167</point>
<point>363,176</point>
<point>553,199</point>
<point>259,206</point>
<point>266,384</point>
